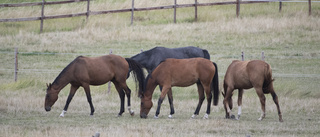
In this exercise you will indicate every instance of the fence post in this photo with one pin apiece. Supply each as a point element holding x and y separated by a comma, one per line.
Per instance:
<point>309,7</point>
<point>109,83</point>
<point>132,10</point>
<point>238,8</point>
<point>175,11</point>
<point>88,9</point>
<point>242,56</point>
<point>280,5</point>
<point>15,64</point>
<point>42,16</point>
<point>262,55</point>
<point>196,10</point>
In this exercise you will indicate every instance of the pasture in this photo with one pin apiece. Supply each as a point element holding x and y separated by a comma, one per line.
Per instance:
<point>290,41</point>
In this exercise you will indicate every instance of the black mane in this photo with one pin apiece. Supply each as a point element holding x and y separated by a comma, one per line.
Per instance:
<point>56,81</point>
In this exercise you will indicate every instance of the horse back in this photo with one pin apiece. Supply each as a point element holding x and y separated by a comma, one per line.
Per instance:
<point>99,70</point>
<point>183,72</point>
<point>237,76</point>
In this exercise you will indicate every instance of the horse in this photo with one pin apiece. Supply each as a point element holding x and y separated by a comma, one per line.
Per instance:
<point>181,73</point>
<point>85,71</point>
<point>150,59</point>
<point>245,75</point>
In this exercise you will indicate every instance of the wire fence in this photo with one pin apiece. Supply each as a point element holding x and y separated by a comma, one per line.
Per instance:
<point>242,56</point>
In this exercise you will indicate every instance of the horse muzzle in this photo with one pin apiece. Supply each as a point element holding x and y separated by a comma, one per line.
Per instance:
<point>47,108</point>
<point>143,115</point>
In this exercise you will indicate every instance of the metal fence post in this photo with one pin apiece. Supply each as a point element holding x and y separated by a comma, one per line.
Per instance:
<point>15,64</point>
<point>242,56</point>
<point>109,83</point>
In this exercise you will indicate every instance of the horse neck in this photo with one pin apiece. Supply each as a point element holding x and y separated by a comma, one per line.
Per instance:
<point>60,82</point>
<point>151,85</point>
<point>141,59</point>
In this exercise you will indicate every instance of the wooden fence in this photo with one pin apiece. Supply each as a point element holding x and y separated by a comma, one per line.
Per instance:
<point>88,12</point>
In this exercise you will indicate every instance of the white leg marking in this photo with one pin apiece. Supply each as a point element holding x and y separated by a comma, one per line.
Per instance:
<point>262,116</point>
<point>239,112</point>
<point>170,116</point>
<point>155,117</point>
<point>206,116</point>
<point>62,113</point>
<point>130,111</point>
<point>194,116</point>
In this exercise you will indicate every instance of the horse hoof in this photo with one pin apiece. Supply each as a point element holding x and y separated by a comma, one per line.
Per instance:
<point>132,113</point>
<point>155,117</point>
<point>238,117</point>
<point>232,117</point>
<point>193,116</point>
<point>206,116</point>
<point>170,116</point>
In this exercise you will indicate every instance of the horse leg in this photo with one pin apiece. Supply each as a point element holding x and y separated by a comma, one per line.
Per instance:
<point>128,93</point>
<point>227,101</point>
<point>87,90</point>
<point>121,95</point>
<point>201,98</point>
<point>209,99</point>
<point>170,98</point>
<point>73,90</point>
<point>162,96</point>
<point>239,103</point>
<point>262,101</point>
<point>275,99</point>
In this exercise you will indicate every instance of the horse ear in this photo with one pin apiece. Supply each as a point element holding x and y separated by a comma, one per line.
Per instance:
<point>47,85</point>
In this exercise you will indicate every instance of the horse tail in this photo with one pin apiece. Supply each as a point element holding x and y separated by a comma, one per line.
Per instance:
<point>206,54</point>
<point>137,73</point>
<point>267,79</point>
<point>215,86</point>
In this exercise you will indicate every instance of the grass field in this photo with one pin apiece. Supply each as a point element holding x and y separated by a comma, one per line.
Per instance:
<point>290,41</point>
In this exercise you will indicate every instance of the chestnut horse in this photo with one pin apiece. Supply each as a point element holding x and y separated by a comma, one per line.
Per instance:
<point>181,73</point>
<point>245,75</point>
<point>85,71</point>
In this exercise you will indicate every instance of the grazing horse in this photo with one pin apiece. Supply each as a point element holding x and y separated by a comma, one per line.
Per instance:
<point>181,73</point>
<point>150,59</point>
<point>245,75</point>
<point>85,71</point>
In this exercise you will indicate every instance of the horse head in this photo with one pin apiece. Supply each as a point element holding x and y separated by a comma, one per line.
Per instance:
<point>145,107</point>
<point>51,97</point>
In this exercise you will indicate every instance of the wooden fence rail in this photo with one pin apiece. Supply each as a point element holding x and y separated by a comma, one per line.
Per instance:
<point>132,9</point>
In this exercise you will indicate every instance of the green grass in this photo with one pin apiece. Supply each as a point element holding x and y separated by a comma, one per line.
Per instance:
<point>290,41</point>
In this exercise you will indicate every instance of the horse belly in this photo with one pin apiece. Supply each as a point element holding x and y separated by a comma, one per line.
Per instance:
<point>243,85</point>
<point>184,82</point>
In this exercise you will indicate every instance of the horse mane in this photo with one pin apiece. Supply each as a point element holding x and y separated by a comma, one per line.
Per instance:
<point>65,70</point>
<point>141,92</point>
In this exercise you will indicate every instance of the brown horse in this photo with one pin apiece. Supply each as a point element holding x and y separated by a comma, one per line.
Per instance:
<point>245,75</point>
<point>85,71</point>
<point>181,73</point>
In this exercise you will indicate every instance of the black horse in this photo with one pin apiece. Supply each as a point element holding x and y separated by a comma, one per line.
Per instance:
<point>150,59</point>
